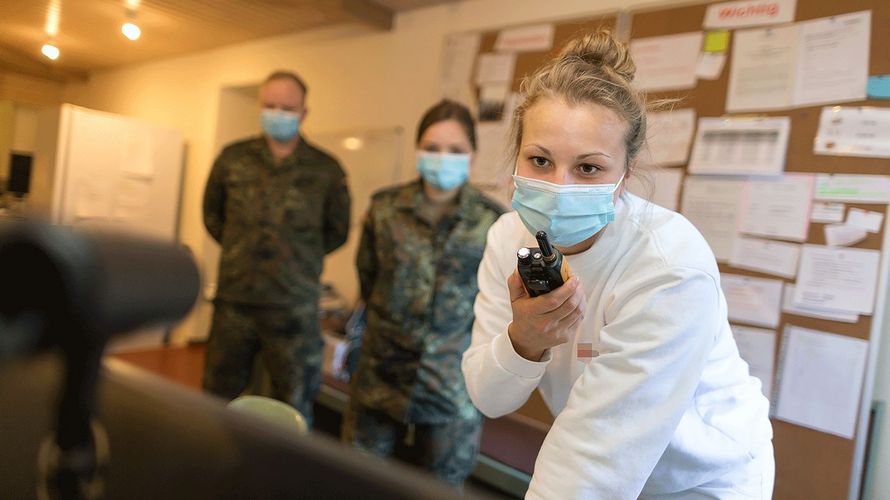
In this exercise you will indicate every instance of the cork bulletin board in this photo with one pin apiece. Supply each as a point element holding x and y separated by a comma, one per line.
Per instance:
<point>810,464</point>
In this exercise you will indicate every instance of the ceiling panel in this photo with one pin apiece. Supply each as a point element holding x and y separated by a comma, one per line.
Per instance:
<point>89,34</point>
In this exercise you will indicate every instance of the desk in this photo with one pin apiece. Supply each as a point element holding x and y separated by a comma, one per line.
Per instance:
<point>507,452</point>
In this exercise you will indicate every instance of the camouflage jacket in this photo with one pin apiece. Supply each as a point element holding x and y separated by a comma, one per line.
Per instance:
<point>274,222</point>
<point>419,282</point>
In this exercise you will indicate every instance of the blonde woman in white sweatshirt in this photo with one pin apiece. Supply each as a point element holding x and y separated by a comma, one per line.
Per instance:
<point>634,354</point>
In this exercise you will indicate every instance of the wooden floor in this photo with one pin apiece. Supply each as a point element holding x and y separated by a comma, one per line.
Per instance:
<point>184,365</point>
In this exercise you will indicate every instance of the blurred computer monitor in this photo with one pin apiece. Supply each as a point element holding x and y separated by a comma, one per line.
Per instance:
<point>19,182</point>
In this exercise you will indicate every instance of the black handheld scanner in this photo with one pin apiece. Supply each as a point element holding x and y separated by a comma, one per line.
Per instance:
<point>542,269</point>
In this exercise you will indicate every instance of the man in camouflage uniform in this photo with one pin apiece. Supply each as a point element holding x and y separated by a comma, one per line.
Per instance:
<point>417,272</point>
<point>276,204</point>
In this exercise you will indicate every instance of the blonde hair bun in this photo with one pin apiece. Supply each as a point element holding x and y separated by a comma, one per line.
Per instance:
<point>602,50</point>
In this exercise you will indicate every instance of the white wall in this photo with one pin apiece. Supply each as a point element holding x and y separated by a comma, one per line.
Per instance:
<point>24,132</point>
<point>358,79</point>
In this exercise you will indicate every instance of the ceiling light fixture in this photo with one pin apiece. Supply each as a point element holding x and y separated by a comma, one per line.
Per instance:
<point>131,31</point>
<point>53,13</point>
<point>352,143</point>
<point>50,51</point>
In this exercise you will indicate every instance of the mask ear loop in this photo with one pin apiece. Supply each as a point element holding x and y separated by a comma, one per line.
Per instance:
<point>620,179</point>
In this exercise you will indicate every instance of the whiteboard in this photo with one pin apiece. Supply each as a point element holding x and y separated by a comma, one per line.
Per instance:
<point>118,171</point>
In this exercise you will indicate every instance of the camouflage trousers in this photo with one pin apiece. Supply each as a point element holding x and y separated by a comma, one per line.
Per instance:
<point>449,451</point>
<point>288,342</point>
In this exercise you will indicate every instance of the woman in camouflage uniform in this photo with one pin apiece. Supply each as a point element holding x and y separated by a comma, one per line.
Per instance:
<point>417,262</point>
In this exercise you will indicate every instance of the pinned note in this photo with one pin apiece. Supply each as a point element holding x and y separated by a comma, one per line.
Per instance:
<point>717,41</point>
<point>710,65</point>
<point>853,188</point>
<point>840,279</point>
<point>827,213</point>
<point>865,219</point>
<point>712,205</point>
<point>669,137</point>
<point>666,62</point>
<point>843,235</point>
<point>878,87</point>
<point>754,301</point>
<point>789,307</point>
<point>525,39</point>
<point>854,131</point>
<point>820,379</point>
<point>765,256</point>
<point>495,68</point>
<point>758,348</point>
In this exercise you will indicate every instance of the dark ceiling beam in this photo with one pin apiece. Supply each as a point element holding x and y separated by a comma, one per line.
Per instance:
<point>16,61</point>
<point>370,13</point>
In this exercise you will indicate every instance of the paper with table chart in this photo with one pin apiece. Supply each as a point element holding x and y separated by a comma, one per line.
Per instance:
<point>777,207</point>
<point>770,257</point>
<point>852,131</point>
<point>819,380</point>
<point>666,62</point>
<point>668,137</point>
<point>789,307</point>
<point>660,186</point>
<point>712,205</point>
<point>853,188</point>
<point>758,348</point>
<point>838,279</point>
<point>740,146</point>
<point>753,301</point>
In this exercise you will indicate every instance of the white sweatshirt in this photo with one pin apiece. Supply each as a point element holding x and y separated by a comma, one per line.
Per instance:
<point>667,406</point>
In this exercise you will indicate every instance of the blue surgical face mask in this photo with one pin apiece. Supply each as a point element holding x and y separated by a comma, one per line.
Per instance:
<point>443,170</point>
<point>280,125</point>
<point>569,213</point>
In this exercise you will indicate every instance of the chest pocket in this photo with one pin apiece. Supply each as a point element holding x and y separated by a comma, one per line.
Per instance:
<point>463,252</point>
<point>460,262</point>
<point>301,204</point>
<point>242,195</point>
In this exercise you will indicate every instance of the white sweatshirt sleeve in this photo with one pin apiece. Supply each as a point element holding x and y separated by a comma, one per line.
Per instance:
<point>625,407</point>
<point>498,379</point>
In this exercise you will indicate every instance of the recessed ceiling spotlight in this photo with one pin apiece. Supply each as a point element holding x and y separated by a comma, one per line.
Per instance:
<point>50,51</point>
<point>131,31</point>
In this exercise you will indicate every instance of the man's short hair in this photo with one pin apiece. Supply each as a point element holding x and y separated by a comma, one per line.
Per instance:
<point>288,75</point>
